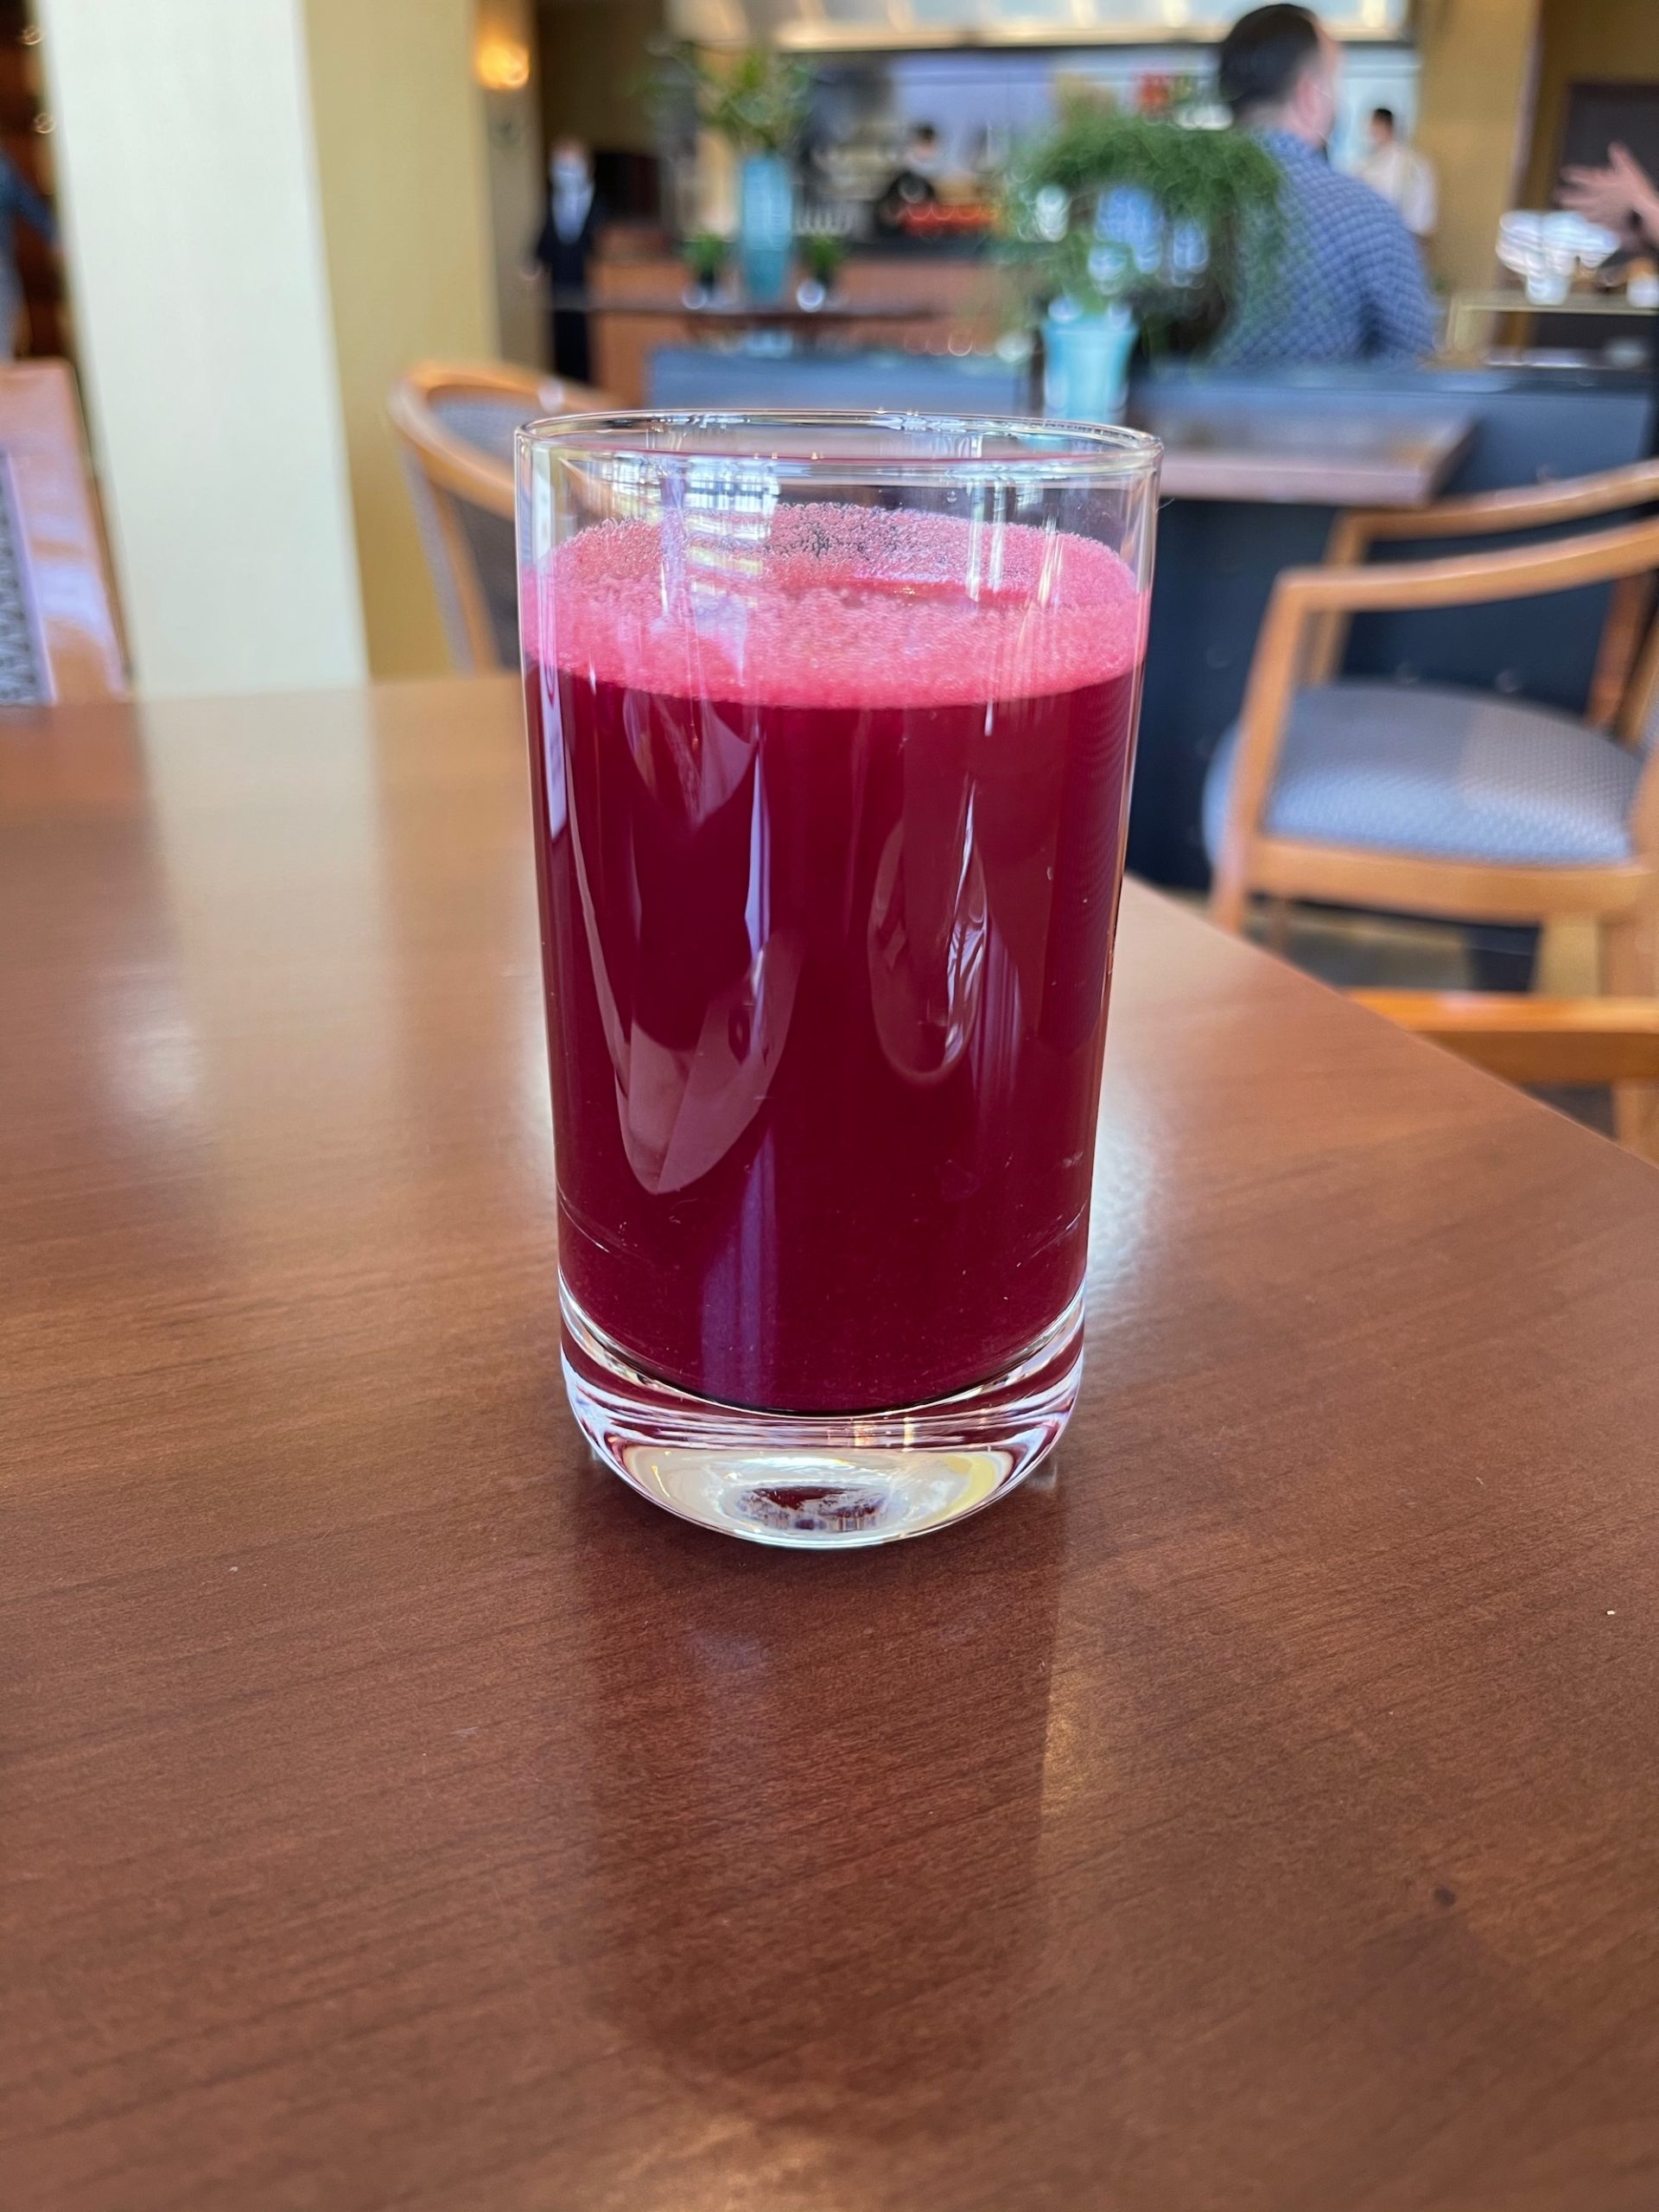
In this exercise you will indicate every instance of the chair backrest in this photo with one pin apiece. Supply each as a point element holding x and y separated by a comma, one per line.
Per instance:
<point>1625,688</point>
<point>454,424</point>
<point>1522,506</point>
<point>59,638</point>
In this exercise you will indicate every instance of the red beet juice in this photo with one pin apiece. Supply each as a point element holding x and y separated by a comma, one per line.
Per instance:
<point>829,850</point>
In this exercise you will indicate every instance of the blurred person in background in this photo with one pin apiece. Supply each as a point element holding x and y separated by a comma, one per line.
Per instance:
<point>1405,179</point>
<point>917,183</point>
<point>17,197</point>
<point>1621,196</point>
<point>564,251</point>
<point>1345,280</point>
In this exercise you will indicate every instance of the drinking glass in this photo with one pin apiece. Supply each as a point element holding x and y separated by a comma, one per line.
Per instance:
<point>831,720</point>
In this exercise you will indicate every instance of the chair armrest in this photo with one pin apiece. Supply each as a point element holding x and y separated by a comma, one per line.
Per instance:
<point>1533,1039</point>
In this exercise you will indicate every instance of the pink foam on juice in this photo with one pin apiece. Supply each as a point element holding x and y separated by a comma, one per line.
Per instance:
<point>841,606</point>
<point>830,807</point>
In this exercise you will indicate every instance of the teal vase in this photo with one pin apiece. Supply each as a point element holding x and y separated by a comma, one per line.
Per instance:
<point>1086,365</point>
<point>765,225</point>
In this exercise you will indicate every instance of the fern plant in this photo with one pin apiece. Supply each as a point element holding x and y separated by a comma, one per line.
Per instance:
<point>822,254</point>
<point>758,100</point>
<point>705,254</point>
<point>1109,208</point>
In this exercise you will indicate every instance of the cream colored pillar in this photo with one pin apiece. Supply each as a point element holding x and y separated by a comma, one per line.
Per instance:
<point>271,208</point>
<point>193,230</point>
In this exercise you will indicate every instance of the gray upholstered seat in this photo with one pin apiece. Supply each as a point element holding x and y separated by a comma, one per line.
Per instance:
<point>481,421</point>
<point>1440,774</point>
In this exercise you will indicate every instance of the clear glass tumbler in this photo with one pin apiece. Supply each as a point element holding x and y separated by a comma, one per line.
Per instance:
<point>831,720</point>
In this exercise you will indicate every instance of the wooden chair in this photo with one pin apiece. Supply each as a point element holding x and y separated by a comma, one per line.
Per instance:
<point>1539,1041</point>
<point>454,424</point>
<point>60,636</point>
<point>1426,799</point>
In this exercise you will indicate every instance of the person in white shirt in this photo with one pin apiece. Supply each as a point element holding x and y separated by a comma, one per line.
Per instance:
<point>1401,175</point>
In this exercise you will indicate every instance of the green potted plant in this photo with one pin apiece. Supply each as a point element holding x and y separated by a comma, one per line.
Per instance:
<point>758,102</point>
<point>821,255</point>
<point>1118,221</point>
<point>705,254</point>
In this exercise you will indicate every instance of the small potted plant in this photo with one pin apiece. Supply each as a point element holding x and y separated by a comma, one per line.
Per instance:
<point>820,254</point>
<point>705,254</point>
<point>1117,221</point>
<point>758,102</point>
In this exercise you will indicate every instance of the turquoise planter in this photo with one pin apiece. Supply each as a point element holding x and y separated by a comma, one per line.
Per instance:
<point>1086,374</point>
<point>765,225</point>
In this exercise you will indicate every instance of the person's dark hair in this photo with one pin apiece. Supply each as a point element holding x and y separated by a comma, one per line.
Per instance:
<point>1262,56</point>
<point>1384,115</point>
<point>927,133</point>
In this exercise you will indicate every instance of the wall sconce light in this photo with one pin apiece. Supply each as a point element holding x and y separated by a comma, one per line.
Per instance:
<point>502,65</point>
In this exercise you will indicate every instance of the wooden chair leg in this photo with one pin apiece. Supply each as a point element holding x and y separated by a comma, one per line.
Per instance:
<point>1276,933</point>
<point>1629,969</point>
<point>1229,898</point>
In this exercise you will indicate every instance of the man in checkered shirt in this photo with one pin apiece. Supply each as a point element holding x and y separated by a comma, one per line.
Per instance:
<point>1345,280</point>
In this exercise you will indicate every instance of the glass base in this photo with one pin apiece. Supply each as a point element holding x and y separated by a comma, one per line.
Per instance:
<point>822,1482</point>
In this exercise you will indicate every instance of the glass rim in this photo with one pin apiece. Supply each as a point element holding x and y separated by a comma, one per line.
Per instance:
<point>1091,450</point>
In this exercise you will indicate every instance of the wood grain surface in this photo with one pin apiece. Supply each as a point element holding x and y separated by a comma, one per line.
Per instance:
<point>395,1812</point>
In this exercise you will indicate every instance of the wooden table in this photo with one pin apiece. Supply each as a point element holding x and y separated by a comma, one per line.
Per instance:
<point>1316,459</point>
<point>396,1812</point>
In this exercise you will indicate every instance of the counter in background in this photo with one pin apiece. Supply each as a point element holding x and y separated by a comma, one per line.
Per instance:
<point>699,376</point>
<point>956,299</point>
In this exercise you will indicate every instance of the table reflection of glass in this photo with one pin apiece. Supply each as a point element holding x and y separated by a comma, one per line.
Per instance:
<point>767,1833</point>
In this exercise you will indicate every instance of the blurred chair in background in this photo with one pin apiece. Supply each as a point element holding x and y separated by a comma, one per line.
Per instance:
<point>454,424</point>
<point>59,638</point>
<point>1427,799</point>
<point>1538,1042</point>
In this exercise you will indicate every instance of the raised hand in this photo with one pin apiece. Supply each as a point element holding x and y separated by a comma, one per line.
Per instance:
<point>1619,195</point>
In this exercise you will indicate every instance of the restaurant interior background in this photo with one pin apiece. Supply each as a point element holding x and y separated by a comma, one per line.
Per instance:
<point>272,214</point>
